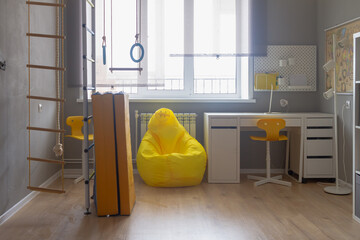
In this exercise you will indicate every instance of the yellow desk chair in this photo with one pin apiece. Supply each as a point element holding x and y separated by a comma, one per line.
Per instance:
<point>272,128</point>
<point>76,123</point>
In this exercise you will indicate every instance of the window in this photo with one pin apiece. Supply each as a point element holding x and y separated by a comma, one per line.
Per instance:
<point>190,49</point>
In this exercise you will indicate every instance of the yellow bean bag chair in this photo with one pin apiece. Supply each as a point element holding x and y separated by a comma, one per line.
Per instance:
<point>168,156</point>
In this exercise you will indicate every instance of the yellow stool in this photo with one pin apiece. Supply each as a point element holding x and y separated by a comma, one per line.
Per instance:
<point>272,128</point>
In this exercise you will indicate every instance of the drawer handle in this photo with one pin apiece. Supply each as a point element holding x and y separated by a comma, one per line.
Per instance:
<point>321,127</point>
<point>224,127</point>
<point>319,138</point>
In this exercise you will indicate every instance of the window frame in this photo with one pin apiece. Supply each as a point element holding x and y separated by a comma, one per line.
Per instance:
<point>244,89</point>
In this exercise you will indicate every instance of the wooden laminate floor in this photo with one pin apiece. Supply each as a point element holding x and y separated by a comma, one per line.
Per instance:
<point>207,211</point>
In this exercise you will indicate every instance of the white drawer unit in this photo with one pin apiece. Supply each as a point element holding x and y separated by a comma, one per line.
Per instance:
<point>319,148</point>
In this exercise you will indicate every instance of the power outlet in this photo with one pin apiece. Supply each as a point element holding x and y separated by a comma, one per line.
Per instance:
<point>347,104</point>
<point>40,108</point>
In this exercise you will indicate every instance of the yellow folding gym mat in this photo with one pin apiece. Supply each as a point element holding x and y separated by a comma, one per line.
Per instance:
<point>114,179</point>
<point>106,193</point>
<point>124,156</point>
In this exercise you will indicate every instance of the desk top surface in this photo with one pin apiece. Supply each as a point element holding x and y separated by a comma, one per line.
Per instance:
<point>273,114</point>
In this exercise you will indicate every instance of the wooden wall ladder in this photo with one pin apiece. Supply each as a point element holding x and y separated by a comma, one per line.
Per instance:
<point>59,99</point>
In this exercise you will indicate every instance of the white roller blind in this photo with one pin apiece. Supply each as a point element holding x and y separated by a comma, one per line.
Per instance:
<point>252,32</point>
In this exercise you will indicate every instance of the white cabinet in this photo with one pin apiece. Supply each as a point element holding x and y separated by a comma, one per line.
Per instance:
<point>222,146</point>
<point>319,148</point>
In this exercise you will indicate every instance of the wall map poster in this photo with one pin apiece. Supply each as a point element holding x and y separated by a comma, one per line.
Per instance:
<point>343,55</point>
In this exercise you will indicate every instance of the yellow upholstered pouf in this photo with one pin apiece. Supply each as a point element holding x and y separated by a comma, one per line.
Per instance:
<point>168,156</point>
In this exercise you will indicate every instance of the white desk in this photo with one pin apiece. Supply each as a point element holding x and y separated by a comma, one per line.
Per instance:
<point>309,149</point>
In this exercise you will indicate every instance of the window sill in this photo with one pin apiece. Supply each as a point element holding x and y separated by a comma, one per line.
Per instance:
<point>187,100</point>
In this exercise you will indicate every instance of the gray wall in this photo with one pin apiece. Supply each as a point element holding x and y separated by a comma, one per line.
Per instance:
<point>287,25</point>
<point>14,107</point>
<point>331,13</point>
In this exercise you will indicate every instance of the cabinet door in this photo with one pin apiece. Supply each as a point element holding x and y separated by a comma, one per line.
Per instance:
<point>224,160</point>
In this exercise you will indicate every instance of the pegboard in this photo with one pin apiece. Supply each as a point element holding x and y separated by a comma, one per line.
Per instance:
<point>305,63</point>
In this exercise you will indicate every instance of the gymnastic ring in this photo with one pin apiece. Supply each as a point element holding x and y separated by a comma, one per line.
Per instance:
<point>141,55</point>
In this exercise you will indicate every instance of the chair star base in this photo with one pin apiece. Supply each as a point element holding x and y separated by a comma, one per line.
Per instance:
<point>263,180</point>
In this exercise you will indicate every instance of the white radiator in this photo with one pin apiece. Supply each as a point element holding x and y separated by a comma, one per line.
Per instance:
<point>188,120</point>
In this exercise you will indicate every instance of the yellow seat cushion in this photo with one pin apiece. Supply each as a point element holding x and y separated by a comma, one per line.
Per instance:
<point>168,156</point>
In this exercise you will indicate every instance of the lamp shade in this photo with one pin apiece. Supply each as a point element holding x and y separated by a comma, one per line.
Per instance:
<point>328,94</point>
<point>329,65</point>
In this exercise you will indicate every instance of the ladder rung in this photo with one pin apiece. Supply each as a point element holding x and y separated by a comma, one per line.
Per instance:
<point>45,67</point>
<point>45,129</point>
<point>125,69</point>
<point>86,150</point>
<point>46,4</point>
<point>45,35</point>
<point>89,59</point>
<point>90,3</point>
<point>88,29</point>
<point>49,190</point>
<point>45,160</point>
<point>88,118</point>
<point>88,88</point>
<point>46,98</point>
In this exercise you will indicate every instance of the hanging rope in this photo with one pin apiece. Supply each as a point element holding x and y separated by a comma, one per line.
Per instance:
<point>137,40</point>
<point>58,148</point>
<point>137,36</point>
<point>104,36</point>
<point>111,32</point>
<point>62,115</point>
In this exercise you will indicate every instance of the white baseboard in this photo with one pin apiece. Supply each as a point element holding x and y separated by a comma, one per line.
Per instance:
<point>343,183</point>
<point>245,171</point>
<point>77,172</point>
<point>356,218</point>
<point>259,171</point>
<point>77,160</point>
<point>72,173</point>
<point>9,213</point>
